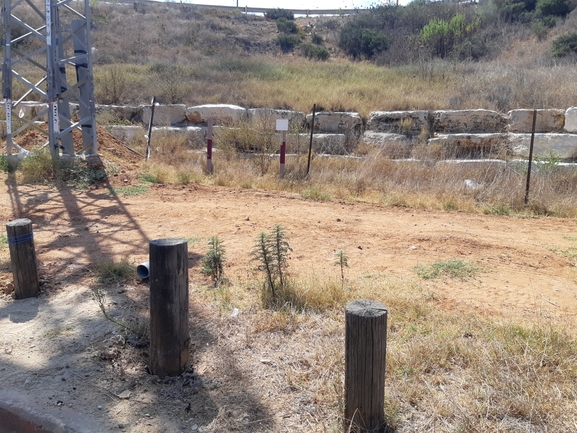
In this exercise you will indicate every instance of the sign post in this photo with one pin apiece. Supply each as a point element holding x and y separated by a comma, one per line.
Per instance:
<point>282,125</point>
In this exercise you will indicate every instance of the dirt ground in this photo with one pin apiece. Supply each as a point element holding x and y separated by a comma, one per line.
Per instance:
<point>60,356</point>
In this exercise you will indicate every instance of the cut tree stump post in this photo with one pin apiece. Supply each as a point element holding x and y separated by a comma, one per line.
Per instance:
<point>365,356</point>
<point>23,257</point>
<point>169,334</point>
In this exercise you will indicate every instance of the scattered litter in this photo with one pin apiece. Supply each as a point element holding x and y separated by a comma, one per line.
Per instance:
<point>471,184</point>
<point>124,395</point>
<point>235,312</point>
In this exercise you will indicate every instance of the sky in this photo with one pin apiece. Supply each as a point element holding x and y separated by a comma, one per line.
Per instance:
<point>297,4</point>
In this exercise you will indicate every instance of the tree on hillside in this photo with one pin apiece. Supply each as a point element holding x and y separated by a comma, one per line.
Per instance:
<point>442,36</point>
<point>360,42</point>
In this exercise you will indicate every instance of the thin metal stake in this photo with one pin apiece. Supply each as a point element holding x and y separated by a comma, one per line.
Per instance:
<point>530,157</point>
<point>311,141</point>
<point>153,103</point>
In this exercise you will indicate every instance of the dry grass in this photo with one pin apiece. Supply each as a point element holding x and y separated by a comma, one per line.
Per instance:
<point>428,183</point>
<point>445,372</point>
<point>180,53</point>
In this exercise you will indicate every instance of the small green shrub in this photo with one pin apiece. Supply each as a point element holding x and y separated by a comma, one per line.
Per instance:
<point>271,251</point>
<point>285,26</point>
<point>315,52</point>
<point>342,262</point>
<point>317,39</point>
<point>213,261</point>
<point>4,165</point>
<point>558,8</point>
<point>360,42</point>
<point>275,14</point>
<point>287,42</point>
<point>38,168</point>
<point>564,44</point>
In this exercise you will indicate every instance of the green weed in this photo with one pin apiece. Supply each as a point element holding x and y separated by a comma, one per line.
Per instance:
<point>500,209</point>
<point>315,194</point>
<point>130,191</point>
<point>213,261</point>
<point>271,251</point>
<point>453,269</point>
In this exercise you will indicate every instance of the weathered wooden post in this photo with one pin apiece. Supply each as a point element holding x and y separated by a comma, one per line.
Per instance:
<point>169,337</point>
<point>365,356</point>
<point>23,258</point>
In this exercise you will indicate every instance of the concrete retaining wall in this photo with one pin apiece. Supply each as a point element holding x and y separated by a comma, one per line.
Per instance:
<point>395,132</point>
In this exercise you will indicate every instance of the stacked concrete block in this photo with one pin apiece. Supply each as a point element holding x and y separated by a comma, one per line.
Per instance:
<point>165,115</point>
<point>221,114</point>
<point>550,120</point>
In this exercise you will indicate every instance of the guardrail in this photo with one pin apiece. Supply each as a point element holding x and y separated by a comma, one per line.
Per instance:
<point>248,9</point>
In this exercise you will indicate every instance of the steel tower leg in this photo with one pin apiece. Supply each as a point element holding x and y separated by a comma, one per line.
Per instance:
<point>51,63</point>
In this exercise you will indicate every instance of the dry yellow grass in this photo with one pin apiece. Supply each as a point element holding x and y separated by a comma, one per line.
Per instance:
<point>445,372</point>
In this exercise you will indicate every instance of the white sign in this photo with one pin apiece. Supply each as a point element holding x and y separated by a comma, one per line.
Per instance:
<point>8,116</point>
<point>48,23</point>
<point>282,125</point>
<point>54,107</point>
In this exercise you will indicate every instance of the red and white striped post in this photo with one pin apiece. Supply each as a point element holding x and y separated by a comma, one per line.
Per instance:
<point>282,125</point>
<point>282,154</point>
<point>209,147</point>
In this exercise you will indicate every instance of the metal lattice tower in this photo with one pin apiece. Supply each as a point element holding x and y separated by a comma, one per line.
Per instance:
<point>48,57</point>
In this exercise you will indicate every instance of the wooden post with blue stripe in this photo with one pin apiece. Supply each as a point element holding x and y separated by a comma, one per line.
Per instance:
<point>23,258</point>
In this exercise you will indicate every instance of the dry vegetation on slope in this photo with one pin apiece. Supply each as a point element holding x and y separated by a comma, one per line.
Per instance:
<point>186,54</point>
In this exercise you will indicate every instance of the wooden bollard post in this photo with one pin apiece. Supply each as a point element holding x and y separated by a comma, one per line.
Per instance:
<point>23,258</point>
<point>169,334</point>
<point>365,356</point>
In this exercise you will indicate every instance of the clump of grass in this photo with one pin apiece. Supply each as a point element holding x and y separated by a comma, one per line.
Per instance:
<point>3,241</point>
<point>157,173</point>
<point>452,269</point>
<point>110,272</point>
<point>131,191</point>
<point>38,168</point>
<point>499,209</point>
<point>568,253</point>
<point>315,194</point>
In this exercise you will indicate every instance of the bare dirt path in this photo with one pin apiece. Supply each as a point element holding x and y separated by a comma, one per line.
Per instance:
<point>51,347</point>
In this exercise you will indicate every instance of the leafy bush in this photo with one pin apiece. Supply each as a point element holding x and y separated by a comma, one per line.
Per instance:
<point>275,14</point>
<point>285,26</point>
<point>38,168</point>
<point>287,42</point>
<point>4,165</point>
<point>317,39</point>
<point>442,35</point>
<point>315,52</point>
<point>558,8</point>
<point>564,44</point>
<point>360,42</point>
<point>514,10</point>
